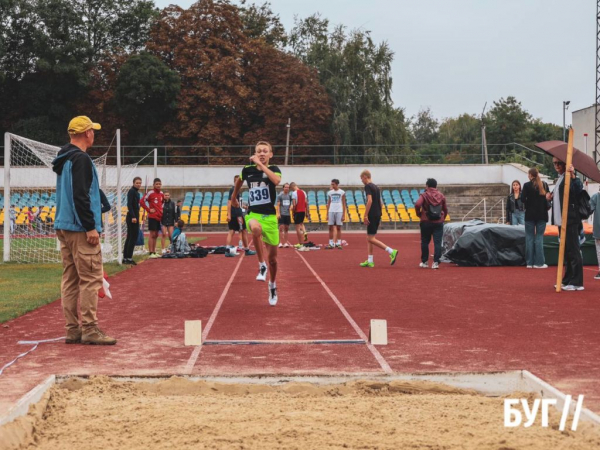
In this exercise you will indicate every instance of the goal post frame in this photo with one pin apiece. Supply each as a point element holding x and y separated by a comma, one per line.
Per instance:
<point>6,256</point>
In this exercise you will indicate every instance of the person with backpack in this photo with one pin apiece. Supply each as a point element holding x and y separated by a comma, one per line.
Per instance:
<point>432,209</point>
<point>573,276</point>
<point>536,217</point>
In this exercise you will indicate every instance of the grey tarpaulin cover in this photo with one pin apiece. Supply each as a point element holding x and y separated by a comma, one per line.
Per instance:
<point>476,243</point>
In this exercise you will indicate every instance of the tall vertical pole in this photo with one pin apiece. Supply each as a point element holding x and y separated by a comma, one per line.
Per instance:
<point>565,210</point>
<point>155,163</point>
<point>6,197</point>
<point>287,141</point>
<point>119,202</point>
<point>597,121</point>
<point>564,123</point>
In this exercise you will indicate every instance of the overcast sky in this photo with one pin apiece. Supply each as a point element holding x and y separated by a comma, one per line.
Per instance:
<point>454,55</point>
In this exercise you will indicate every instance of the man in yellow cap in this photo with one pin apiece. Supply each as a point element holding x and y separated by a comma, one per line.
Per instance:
<point>78,226</point>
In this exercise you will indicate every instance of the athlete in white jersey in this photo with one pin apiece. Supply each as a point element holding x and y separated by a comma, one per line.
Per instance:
<point>336,214</point>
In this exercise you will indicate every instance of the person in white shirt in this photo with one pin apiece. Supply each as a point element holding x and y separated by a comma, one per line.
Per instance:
<point>336,214</point>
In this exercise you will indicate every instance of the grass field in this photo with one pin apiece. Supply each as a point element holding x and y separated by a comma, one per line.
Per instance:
<point>25,287</point>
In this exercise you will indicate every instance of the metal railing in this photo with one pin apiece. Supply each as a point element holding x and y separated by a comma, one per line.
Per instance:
<point>322,154</point>
<point>483,213</point>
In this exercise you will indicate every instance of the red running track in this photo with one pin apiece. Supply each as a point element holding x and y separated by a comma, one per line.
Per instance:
<point>453,319</point>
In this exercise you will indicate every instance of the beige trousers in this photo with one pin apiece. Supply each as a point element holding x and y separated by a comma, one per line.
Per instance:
<point>81,279</point>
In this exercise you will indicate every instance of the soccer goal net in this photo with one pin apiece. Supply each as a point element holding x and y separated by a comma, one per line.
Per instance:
<point>29,201</point>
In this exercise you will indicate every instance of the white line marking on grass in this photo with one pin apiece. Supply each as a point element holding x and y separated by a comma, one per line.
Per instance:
<point>196,353</point>
<point>382,362</point>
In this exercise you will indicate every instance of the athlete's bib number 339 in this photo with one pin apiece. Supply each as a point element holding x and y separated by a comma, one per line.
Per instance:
<point>259,195</point>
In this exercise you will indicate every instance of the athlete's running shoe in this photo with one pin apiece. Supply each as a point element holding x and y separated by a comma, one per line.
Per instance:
<point>329,247</point>
<point>286,245</point>
<point>153,256</point>
<point>597,277</point>
<point>435,265</point>
<point>424,265</point>
<point>298,246</point>
<point>280,245</point>
<point>367,264</point>
<point>262,273</point>
<point>571,287</point>
<point>393,257</point>
<point>273,296</point>
<point>249,252</point>
<point>339,247</point>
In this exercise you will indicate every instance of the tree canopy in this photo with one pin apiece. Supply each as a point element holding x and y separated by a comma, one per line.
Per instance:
<point>221,73</point>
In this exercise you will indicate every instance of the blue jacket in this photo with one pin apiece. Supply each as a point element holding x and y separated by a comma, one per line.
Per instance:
<point>78,204</point>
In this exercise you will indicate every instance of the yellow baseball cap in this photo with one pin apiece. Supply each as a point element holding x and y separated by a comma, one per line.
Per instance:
<point>81,124</point>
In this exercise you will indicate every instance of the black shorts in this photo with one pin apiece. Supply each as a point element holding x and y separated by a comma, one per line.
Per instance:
<point>236,224</point>
<point>299,217</point>
<point>373,225</point>
<point>285,220</point>
<point>154,225</point>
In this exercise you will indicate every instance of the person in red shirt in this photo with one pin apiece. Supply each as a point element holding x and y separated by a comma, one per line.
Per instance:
<point>153,203</point>
<point>300,208</point>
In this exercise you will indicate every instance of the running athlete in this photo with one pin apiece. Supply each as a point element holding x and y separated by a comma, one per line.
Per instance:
<point>153,203</point>
<point>261,219</point>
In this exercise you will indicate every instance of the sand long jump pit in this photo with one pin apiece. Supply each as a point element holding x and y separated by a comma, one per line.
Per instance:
<point>278,412</point>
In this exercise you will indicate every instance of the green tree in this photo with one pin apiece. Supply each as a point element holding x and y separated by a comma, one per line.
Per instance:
<point>48,50</point>
<point>507,122</point>
<point>356,72</point>
<point>424,127</point>
<point>146,96</point>
<point>260,22</point>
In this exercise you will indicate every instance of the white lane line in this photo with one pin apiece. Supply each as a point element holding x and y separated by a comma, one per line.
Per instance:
<point>196,353</point>
<point>382,362</point>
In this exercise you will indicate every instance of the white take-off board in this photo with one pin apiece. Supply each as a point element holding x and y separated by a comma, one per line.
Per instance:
<point>378,332</point>
<point>193,332</point>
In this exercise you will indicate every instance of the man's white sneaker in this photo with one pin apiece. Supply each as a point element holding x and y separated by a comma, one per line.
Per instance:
<point>435,265</point>
<point>262,273</point>
<point>280,245</point>
<point>530,267</point>
<point>424,265</point>
<point>570,287</point>
<point>543,266</point>
<point>286,245</point>
<point>273,296</point>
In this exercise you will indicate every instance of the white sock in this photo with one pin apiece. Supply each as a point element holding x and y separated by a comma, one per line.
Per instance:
<point>389,250</point>
<point>370,258</point>
<point>272,285</point>
<point>331,242</point>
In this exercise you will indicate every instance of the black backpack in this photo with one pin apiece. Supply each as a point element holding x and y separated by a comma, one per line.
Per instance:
<point>434,212</point>
<point>584,207</point>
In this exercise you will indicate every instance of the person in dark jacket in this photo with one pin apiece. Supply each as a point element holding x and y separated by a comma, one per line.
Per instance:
<point>432,210</point>
<point>78,227</point>
<point>178,211</point>
<point>515,210</point>
<point>573,277</point>
<point>536,217</point>
<point>169,218</point>
<point>132,220</point>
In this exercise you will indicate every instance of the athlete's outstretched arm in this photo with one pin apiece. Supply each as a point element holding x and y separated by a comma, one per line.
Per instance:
<point>275,178</point>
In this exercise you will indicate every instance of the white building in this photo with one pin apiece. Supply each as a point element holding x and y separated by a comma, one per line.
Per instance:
<point>584,123</point>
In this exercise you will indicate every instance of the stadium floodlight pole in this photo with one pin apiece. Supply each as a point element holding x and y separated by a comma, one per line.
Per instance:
<point>287,141</point>
<point>155,163</point>
<point>6,255</point>
<point>565,107</point>
<point>119,202</point>
<point>565,211</point>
